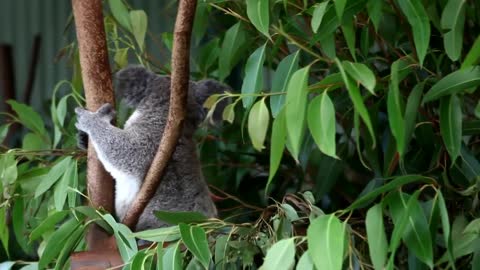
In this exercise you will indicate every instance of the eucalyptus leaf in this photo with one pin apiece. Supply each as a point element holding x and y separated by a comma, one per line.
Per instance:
<point>451,125</point>
<point>326,240</point>
<point>258,13</point>
<point>253,81</point>
<point>418,19</point>
<point>258,121</point>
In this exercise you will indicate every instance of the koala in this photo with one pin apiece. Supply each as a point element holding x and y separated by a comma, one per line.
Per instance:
<point>127,153</point>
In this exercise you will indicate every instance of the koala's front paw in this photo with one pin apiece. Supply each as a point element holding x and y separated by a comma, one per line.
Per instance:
<point>83,119</point>
<point>106,112</point>
<point>82,140</point>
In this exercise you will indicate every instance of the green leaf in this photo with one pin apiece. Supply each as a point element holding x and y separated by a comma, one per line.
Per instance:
<point>32,142</point>
<point>195,239</point>
<point>416,234</point>
<point>180,217</point>
<point>61,188</point>
<point>374,9</point>
<point>172,259</point>
<point>232,48</point>
<point>328,46</point>
<point>357,100</point>
<point>121,57</point>
<point>120,13</point>
<point>221,244</point>
<point>411,111</point>
<point>280,256</point>
<point>397,182</point>
<point>326,239</point>
<point>305,262</point>
<point>447,237</point>
<point>138,20</point>
<point>418,19</point>
<point>453,19</point>
<point>53,175</point>
<point>253,80</point>
<point>48,224</point>
<point>317,16</point>
<point>278,140</point>
<point>321,122</point>
<point>348,30</point>
<point>69,244</point>
<point>3,132</point>
<point>4,233</point>
<point>28,117</point>
<point>473,56</point>
<point>377,239</point>
<point>19,225</point>
<point>59,119</point>
<point>53,248</point>
<point>340,7</point>
<point>8,168</point>
<point>395,110</point>
<point>229,113</point>
<point>453,83</point>
<point>451,125</point>
<point>362,74</point>
<point>165,234</point>
<point>258,121</point>
<point>258,13</point>
<point>282,75</point>
<point>296,103</point>
<point>73,183</point>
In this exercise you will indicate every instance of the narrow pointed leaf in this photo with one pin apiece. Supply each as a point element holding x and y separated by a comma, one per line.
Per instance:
<point>362,74</point>
<point>395,110</point>
<point>453,83</point>
<point>340,7</point>
<point>296,103</point>
<point>258,120</point>
<point>253,80</point>
<point>451,125</point>
<point>473,56</point>
<point>453,20</point>
<point>282,75</point>
<point>411,111</point>
<point>258,13</point>
<point>232,48</point>
<point>195,239</point>
<point>138,20</point>
<point>418,19</point>
<point>278,140</point>
<point>280,256</point>
<point>326,239</point>
<point>377,239</point>
<point>120,13</point>
<point>374,9</point>
<point>317,16</point>
<point>321,122</point>
<point>357,100</point>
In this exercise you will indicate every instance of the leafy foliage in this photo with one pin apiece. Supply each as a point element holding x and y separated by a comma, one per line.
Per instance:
<point>372,105</point>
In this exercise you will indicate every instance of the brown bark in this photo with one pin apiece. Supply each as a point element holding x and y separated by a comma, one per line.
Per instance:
<point>97,82</point>
<point>177,111</point>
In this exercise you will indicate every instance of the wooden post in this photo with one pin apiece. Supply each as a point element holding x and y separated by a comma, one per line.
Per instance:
<point>97,83</point>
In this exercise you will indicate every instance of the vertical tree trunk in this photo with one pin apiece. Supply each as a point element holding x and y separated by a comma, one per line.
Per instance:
<point>176,113</point>
<point>97,82</point>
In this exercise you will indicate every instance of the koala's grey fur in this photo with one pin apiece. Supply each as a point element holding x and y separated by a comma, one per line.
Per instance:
<point>127,153</point>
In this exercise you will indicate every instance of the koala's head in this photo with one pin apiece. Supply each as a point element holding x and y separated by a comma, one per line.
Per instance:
<point>137,85</point>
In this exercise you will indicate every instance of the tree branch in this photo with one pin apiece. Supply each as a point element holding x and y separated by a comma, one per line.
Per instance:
<point>177,111</point>
<point>98,87</point>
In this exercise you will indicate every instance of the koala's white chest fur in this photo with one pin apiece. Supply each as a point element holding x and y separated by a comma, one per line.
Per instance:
<point>126,185</point>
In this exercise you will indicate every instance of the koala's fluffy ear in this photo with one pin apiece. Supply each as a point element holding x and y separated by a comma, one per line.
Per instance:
<point>204,89</point>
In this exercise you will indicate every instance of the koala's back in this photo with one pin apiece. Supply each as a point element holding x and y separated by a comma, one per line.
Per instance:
<point>182,187</point>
